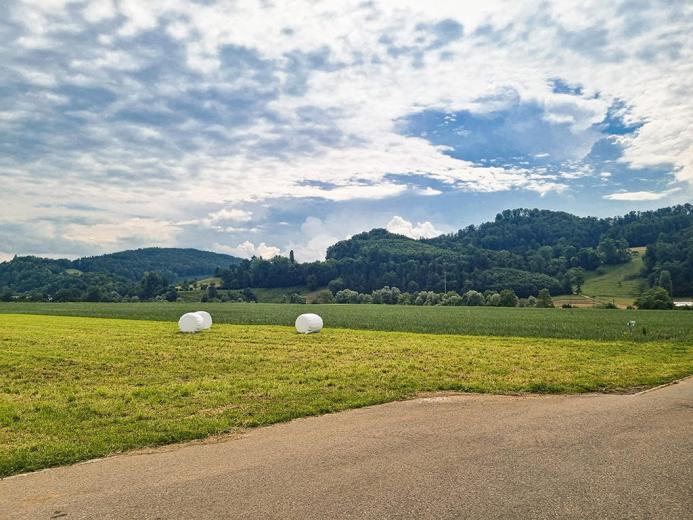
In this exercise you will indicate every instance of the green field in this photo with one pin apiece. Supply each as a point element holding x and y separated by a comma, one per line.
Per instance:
<point>77,388</point>
<point>597,324</point>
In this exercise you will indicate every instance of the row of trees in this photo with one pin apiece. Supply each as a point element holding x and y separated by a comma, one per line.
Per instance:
<point>394,296</point>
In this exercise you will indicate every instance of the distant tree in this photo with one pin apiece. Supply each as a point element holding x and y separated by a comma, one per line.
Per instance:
<point>336,285</point>
<point>508,298</point>
<point>665,281</point>
<point>493,299</point>
<point>172,295</point>
<point>294,298</point>
<point>655,298</point>
<point>248,295</point>
<point>473,298</point>
<point>544,299</point>
<point>346,296</point>
<point>451,298</point>
<point>576,275</point>
<point>312,282</point>
<point>412,286</point>
<point>93,294</point>
<point>292,259</point>
<point>324,296</point>
<point>152,284</point>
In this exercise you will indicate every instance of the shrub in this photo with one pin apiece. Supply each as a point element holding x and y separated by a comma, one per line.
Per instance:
<point>324,296</point>
<point>508,298</point>
<point>473,298</point>
<point>544,299</point>
<point>655,298</point>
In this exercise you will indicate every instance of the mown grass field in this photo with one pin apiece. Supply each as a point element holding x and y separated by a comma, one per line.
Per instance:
<point>597,324</point>
<point>77,388</point>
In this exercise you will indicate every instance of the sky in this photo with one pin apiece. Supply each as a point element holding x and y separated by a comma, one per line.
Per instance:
<point>258,127</point>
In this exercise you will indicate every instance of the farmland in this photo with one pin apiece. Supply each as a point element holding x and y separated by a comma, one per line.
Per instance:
<point>595,324</point>
<point>74,388</point>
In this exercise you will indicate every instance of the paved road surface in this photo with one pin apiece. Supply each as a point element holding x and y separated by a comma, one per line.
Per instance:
<point>589,456</point>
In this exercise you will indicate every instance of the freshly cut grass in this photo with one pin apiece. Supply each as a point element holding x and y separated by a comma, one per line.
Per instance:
<point>598,324</point>
<point>77,388</point>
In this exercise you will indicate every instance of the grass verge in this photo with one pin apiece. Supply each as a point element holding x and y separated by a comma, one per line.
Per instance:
<point>78,388</point>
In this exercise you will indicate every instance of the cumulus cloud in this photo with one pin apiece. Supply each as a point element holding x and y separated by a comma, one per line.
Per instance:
<point>247,250</point>
<point>404,227</point>
<point>640,195</point>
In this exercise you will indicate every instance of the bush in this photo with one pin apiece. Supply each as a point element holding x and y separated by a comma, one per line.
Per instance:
<point>473,298</point>
<point>508,298</point>
<point>655,298</point>
<point>544,299</point>
<point>346,296</point>
<point>324,296</point>
<point>293,298</point>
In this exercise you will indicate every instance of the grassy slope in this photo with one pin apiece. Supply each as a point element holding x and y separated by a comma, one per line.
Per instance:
<point>78,388</point>
<point>485,321</point>
<point>612,283</point>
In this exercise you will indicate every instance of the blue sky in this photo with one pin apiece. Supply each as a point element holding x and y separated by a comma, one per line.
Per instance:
<point>258,127</point>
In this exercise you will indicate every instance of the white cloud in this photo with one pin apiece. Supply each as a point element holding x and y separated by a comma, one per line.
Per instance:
<point>640,195</point>
<point>309,113</point>
<point>99,10</point>
<point>429,192</point>
<point>247,250</point>
<point>401,226</point>
<point>136,230</point>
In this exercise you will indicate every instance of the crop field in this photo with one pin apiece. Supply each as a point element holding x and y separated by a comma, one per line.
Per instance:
<point>596,324</point>
<point>74,388</point>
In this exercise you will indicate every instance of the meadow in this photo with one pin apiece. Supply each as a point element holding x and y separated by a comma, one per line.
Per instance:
<point>619,282</point>
<point>595,324</point>
<point>74,388</point>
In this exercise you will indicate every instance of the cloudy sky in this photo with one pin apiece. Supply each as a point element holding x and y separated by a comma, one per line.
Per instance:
<point>255,127</point>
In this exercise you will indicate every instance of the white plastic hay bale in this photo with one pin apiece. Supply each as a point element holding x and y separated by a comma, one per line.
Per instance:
<point>190,322</point>
<point>206,319</point>
<point>308,323</point>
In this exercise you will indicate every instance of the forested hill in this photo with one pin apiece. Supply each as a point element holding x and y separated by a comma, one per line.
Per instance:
<point>142,273</point>
<point>523,230</point>
<point>173,263</point>
<point>522,249</point>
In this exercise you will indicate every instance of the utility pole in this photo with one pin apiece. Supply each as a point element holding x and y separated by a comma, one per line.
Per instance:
<point>445,281</point>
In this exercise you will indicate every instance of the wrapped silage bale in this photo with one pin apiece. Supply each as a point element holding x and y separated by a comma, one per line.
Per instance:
<point>308,323</point>
<point>206,319</point>
<point>190,322</point>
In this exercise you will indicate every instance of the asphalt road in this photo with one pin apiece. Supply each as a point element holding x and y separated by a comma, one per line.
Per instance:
<point>464,456</point>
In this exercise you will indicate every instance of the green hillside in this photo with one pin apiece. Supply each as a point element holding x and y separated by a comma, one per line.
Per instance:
<point>614,281</point>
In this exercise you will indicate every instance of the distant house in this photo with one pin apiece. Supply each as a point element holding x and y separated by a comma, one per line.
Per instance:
<point>683,304</point>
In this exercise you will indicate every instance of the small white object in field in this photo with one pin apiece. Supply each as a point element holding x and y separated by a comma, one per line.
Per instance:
<point>190,322</point>
<point>308,323</point>
<point>206,319</point>
<point>631,325</point>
